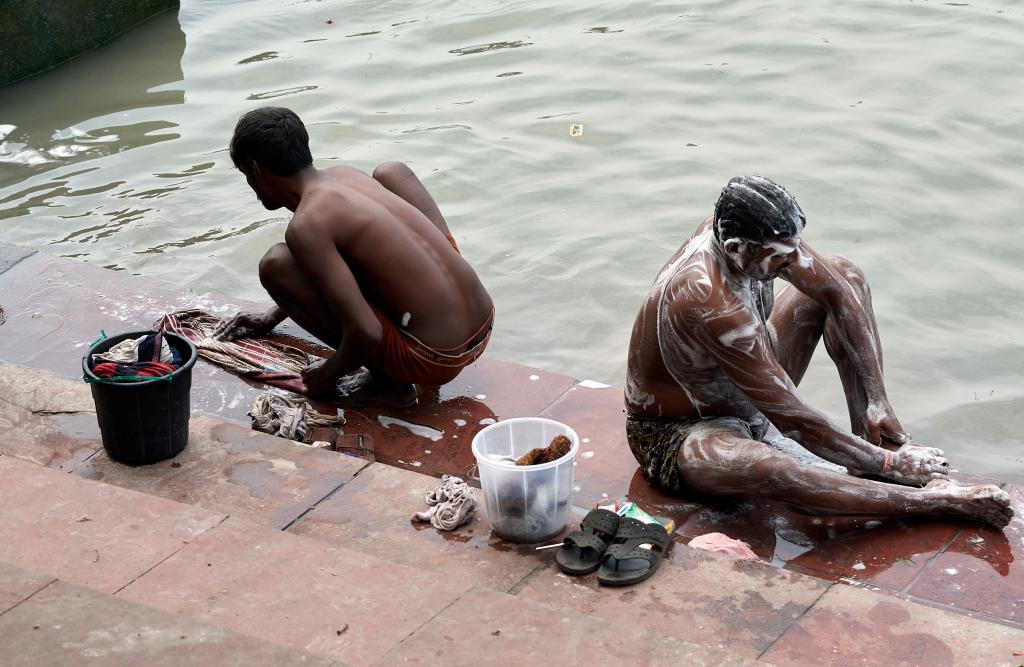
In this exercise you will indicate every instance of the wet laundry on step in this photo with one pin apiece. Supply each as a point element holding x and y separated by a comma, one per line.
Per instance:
<point>288,415</point>
<point>452,504</point>
<point>147,356</point>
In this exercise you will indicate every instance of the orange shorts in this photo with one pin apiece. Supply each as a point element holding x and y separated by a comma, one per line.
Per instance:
<point>405,358</point>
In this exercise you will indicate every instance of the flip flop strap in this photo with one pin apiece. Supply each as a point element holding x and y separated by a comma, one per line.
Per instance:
<point>584,539</point>
<point>631,550</point>
<point>631,529</point>
<point>601,520</point>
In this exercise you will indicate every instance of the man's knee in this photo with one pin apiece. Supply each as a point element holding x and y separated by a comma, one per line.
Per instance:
<point>389,172</point>
<point>701,461</point>
<point>714,464</point>
<point>276,262</point>
<point>848,269</point>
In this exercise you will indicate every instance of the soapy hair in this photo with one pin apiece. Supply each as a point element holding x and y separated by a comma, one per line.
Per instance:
<point>757,210</point>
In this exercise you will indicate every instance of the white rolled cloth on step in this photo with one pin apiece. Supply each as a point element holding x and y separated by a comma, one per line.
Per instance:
<point>451,504</point>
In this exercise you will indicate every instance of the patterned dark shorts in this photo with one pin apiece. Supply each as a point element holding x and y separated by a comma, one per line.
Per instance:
<point>655,443</point>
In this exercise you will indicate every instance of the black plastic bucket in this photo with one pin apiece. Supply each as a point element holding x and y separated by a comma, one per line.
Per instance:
<point>143,421</point>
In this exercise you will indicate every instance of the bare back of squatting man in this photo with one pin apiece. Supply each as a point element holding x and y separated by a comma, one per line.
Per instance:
<point>368,266</point>
<point>716,356</point>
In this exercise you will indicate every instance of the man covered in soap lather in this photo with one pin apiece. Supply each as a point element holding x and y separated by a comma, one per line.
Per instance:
<point>368,265</point>
<point>715,358</point>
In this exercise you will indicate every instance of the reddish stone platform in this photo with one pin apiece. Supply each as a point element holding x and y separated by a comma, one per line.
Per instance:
<point>952,587</point>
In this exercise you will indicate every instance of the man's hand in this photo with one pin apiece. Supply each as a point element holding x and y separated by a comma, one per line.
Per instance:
<point>917,465</point>
<point>244,325</point>
<point>318,379</point>
<point>880,423</point>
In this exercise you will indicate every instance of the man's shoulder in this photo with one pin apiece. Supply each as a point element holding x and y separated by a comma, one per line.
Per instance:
<point>331,205</point>
<point>693,282</point>
<point>697,295</point>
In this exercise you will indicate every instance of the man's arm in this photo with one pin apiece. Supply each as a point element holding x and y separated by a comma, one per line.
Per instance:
<point>314,244</point>
<point>738,342</point>
<point>818,279</point>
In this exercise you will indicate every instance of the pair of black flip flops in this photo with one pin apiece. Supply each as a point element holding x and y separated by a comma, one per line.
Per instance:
<point>611,545</point>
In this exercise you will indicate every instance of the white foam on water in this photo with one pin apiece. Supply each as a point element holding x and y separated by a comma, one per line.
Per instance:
<point>416,429</point>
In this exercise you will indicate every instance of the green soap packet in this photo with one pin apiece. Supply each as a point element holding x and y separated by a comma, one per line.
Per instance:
<point>634,512</point>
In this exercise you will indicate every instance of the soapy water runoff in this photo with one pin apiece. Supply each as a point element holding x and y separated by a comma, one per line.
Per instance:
<point>572,147</point>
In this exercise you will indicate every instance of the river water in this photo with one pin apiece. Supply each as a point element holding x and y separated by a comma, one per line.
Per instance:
<point>897,124</point>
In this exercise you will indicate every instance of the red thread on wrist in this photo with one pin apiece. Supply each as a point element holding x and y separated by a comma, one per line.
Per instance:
<point>888,463</point>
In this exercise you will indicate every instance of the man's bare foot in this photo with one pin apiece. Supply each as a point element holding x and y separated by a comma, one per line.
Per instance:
<point>364,389</point>
<point>987,503</point>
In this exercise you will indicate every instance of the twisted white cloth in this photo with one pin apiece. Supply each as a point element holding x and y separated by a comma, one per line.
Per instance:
<point>288,415</point>
<point>451,504</point>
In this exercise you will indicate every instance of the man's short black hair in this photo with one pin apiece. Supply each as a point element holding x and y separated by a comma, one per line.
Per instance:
<point>757,209</point>
<point>272,137</point>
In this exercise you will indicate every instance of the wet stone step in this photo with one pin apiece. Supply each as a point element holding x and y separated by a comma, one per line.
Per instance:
<point>96,535</point>
<point>229,468</point>
<point>372,514</point>
<point>850,626</point>
<point>64,624</point>
<point>18,584</point>
<point>488,627</point>
<point>695,596</point>
<point>297,592</point>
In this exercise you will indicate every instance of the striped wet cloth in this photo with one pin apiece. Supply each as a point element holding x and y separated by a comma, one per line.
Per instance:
<point>261,359</point>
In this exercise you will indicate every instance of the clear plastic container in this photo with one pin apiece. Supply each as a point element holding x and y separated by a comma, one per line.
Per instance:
<point>525,503</point>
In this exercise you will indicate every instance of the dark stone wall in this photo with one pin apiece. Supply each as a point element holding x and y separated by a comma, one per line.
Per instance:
<point>38,34</point>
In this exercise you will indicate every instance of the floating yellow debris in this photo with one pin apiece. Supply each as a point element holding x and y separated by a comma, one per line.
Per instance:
<point>576,130</point>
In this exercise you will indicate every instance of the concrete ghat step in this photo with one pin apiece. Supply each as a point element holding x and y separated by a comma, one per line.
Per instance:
<point>487,627</point>
<point>300,593</point>
<point>48,622</point>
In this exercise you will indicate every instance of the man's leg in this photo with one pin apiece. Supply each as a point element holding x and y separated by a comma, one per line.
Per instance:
<point>720,461</point>
<point>799,324</point>
<point>399,178</point>
<point>292,291</point>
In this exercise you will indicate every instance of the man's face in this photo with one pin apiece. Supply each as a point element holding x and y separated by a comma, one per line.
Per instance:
<point>258,184</point>
<point>764,262</point>
<point>773,258</point>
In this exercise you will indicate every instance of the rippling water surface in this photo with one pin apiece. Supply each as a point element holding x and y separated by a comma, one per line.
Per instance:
<point>898,125</point>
